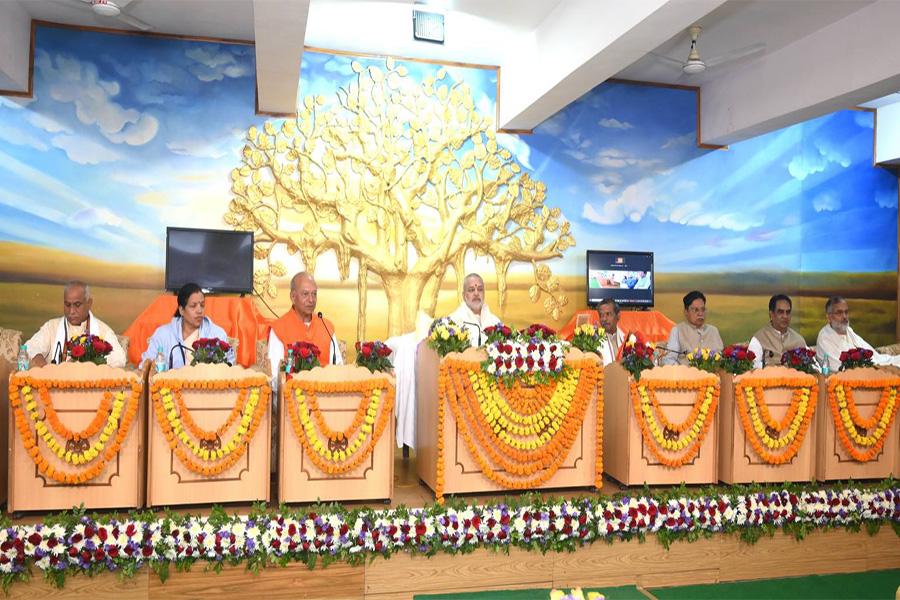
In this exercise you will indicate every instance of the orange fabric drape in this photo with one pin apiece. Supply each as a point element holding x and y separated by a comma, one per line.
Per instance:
<point>238,316</point>
<point>289,329</point>
<point>652,324</point>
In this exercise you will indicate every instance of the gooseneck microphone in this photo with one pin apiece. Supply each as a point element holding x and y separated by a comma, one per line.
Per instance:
<point>183,357</point>
<point>766,354</point>
<point>331,349</point>
<point>476,326</point>
<point>57,354</point>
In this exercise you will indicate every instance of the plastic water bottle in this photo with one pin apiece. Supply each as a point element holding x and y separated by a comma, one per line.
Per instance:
<point>289,363</point>
<point>160,362</point>
<point>826,369</point>
<point>22,360</point>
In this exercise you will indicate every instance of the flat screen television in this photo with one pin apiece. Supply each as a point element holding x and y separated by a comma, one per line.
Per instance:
<point>216,260</point>
<point>626,277</point>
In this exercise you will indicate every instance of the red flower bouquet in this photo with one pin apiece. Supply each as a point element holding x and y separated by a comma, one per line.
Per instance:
<point>88,348</point>
<point>498,332</point>
<point>856,358</point>
<point>302,356</point>
<point>637,356</point>
<point>802,359</point>
<point>737,359</point>
<point>210,351</point>
<point>373,356</point>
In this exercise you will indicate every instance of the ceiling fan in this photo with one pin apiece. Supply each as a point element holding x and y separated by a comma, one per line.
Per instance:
<point>114,9</point>
<point>694,65</point>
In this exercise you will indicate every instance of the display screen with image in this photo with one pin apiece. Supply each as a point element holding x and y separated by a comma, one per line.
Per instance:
<point>626,277</point>
<point>216,260</point>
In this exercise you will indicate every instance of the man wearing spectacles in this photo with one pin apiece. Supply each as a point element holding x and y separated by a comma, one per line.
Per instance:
<point>693,332</point>
<point>49,343</point>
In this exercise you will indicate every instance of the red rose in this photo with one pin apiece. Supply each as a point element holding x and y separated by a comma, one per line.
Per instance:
<point>98,345</point>
<point>385,351</point>
<point>795,360</point>
<point>304,352</point>
<point>77,351</point>
<point>223,345</point>
<point>741,354</point>
<point>855,355</point>
<point>367,351</point>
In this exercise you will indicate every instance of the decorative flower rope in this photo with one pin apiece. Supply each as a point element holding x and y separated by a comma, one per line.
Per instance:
<point>765,433</point>
<point>661,434</point>
<point>181,432</point>
<point>93,447</point>
<point>331,451</point>
<point>851,427</point>
<point>517,434</point>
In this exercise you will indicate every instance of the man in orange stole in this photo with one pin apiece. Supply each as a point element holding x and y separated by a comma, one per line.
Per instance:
<point>303,324</point>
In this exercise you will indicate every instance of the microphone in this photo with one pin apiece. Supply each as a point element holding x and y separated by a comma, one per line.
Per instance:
<point>183,357</point>
<point>766,354</point>
<point>476,326</point>
<point>57,354</point>
<point>330,339</point>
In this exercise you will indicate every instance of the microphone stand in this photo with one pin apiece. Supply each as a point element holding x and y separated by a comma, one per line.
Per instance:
<point>183,357</point>
<point>331,351</point>
<point>476,326</point>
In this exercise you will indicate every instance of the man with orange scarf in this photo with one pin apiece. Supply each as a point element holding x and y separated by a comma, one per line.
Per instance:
<point>303,324</point>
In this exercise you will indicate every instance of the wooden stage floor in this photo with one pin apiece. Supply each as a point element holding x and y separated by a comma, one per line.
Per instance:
<point>646,564</point>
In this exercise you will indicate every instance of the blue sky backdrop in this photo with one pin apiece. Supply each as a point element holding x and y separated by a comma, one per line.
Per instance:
<point>128,134</point>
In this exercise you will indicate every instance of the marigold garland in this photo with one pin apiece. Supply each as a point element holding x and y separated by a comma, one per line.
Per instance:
<point>173,418</point>
<point>847,420</point>
<point>687,436</point>
<point>342,451</point>
<point>525,431</point>
<point>116,410</point>
<point>757,421</point>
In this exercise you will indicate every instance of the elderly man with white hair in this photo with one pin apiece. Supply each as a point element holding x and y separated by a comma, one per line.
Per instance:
<point>473,313</point>
<point>49,343</point>
<point>837,336</point>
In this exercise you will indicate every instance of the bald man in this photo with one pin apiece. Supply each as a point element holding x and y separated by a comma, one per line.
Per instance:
<point>303,324</point>
<point>49,343</point>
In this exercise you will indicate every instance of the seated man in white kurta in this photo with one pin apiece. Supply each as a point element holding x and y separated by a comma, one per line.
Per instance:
<point>692,333</point>
<point>608,309</point>
<point>49,343</point>
<point>837,336</point>
<point>473,313</point>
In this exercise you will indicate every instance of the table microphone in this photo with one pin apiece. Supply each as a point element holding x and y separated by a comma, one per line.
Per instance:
<point>477,326</point>
<point>332,357</point>
<point>57,354</point>
<point>183,357</point>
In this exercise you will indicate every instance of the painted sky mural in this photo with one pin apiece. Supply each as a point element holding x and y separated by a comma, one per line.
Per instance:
<point>126,135</point>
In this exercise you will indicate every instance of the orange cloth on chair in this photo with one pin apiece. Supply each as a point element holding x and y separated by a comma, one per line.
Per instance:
<point>289,329</point>
<point>652,324</point>
<point>238,316</point>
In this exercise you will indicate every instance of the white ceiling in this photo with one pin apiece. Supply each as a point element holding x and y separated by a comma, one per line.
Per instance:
<point>546,48</point>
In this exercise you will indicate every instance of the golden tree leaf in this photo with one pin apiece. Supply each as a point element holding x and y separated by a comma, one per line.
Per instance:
<point>278,269</point>
<point>389,63</point>
<point>269,128</point>
<point>357,68</point>
<point>308,103</point>
<point>556,313</point>
<point>402,71</point>
<point>376,74</point>
<point>441,73</point>
<point>515,168</point>
<point>542,273</point>
<point>534,292</point>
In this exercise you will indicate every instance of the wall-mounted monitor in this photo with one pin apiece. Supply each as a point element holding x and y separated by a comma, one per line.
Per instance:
<point>625,276</point>
<point>216,260</point>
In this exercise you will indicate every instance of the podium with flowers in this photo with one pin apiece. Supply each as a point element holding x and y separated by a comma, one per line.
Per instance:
<point>209,435</point>
<point>766,426</point>
<point>76,437</point>
<point>665,425</point>
<point>482,429</point>
<point>336,427</point>
<point>856,433</point>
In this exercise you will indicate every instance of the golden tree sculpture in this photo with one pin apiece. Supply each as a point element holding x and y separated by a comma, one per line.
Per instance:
<point>405,178</point>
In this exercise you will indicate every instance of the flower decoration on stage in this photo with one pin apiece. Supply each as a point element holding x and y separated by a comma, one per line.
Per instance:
<point>339,451</point>
<point>446,336</point>
<point>74,543</point>
<point>373,356</point>
<point>777,442</point>
<point>737,359</point>
<point>575,594</point>
<point>88,348</point>
<point>637,355</point>
<point>801,359</point>
<point>862,438</point>
<point>89,449</point>
<point>210,351</point>
<point>497,333</point>
<point>534,353</point>
<point>210,452</point>
<point>519,431</point>
<point>588,337</point>
<point>856,358</point>
<point>705,359</point>
<point>304,356</point>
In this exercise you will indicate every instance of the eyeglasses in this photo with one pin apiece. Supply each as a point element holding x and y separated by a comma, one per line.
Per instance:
<point>696,311</point>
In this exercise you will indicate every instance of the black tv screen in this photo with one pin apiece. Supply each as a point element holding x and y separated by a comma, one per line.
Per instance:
<point>626,277</point>
<point>216,260</point>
